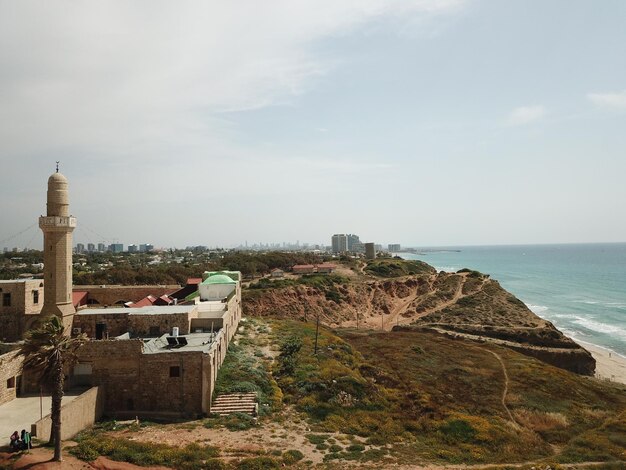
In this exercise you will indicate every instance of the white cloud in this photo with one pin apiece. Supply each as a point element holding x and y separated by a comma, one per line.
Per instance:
<point>117,74</point>
<point>525,115</point>
<point>615,100</point>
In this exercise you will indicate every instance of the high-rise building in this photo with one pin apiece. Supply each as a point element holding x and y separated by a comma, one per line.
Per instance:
<point>91,247</point>
<point>102,247</point>
<point>57,226</point>
<point>116,247</point>
<point>370,251</point>
<point>339,243</point>
<point>394,247</point>
<point>144,247</point>
<point>352,241</point>
<point>80,248</point>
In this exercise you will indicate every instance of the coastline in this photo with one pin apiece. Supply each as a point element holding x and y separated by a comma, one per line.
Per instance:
<point>609,365</point>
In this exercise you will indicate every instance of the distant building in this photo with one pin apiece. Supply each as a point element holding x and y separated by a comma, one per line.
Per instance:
<point>116,247</point>
<point>145,247</point>
<point>394,247</point>
<point>277,273</point>
<point>352,241</point>
<point>339,243</point>
<point>91,247</point>
<point>370,251</point>
<point>303,269</point>
<point>80,248</point>
<point>102,247</point>
<point>133,248</point>
<point>358,248</point>
<point>326,268</point>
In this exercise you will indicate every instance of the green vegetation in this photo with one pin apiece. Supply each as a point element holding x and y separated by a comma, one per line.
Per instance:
<point>292,456</point>
<point>245,371</point>
<point>190,457</point>
<point>393,267</point>
<point>319,281</point>
<point>443,403</point>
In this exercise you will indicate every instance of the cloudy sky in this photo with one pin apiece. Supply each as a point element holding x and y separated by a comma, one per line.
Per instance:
<point>424,122</point>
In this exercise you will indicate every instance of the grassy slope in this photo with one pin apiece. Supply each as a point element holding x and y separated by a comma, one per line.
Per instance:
<point>438,399</point>
<point>403,397</point>
<point>387,268</point>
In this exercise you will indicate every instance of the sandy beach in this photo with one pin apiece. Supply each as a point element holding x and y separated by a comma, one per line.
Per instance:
<point>609,365</point>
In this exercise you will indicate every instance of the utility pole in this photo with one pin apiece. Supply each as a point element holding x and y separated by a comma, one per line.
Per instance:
<point>317,332</point>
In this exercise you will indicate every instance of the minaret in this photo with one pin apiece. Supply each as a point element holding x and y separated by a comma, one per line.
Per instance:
<point>57,227</point>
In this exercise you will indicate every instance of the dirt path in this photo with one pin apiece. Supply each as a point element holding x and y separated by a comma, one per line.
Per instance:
<point>455,298</point>
<point>506,385</point>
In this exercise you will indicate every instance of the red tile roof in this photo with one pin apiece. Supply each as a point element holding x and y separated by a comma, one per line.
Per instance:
<point>79,297</point>
<point>194,280</point>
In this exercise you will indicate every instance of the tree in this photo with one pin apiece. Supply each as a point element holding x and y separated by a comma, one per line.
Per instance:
<point>47,351</point>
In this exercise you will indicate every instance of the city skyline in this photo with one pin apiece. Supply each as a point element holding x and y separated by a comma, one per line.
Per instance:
<point>424,123</point>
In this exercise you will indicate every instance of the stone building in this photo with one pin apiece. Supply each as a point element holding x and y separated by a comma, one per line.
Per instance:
<point>10,376</point>
<point>20,304</point>
<point>158,362</point>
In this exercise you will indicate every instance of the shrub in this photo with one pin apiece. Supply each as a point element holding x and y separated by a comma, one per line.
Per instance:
<point>292,456</point>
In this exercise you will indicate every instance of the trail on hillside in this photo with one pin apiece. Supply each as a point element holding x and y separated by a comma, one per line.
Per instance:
<point>506,385</point>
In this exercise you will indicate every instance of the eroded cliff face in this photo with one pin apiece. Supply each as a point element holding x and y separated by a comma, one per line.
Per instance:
<point>460,304</point>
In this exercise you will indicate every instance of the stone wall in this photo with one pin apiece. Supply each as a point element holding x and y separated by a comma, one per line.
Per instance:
<point>140,325</point>
<point>79,414</point>
<point>23,308</point>
<point>110,295</point>
<point>117,323</point>
<point>145,384</point>
<point>10,371</point>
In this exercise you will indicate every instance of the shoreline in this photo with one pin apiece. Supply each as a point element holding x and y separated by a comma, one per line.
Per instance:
<point>609,365</point>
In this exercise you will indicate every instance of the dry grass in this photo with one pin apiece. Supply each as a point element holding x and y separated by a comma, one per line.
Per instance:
<point>540,420</point>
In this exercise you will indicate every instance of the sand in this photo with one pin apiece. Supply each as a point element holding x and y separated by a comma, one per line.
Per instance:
<point>609,365</point>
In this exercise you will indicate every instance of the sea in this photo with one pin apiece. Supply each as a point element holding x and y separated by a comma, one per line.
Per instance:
<point>580,288</point>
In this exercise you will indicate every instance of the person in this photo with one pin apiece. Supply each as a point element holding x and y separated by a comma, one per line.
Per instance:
<point>27,441</point>
<point>15,438</point>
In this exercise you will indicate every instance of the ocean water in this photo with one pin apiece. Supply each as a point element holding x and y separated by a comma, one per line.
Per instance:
<point>581,289</point>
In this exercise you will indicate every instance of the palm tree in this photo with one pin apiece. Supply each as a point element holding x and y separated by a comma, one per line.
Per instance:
<point>47,350</point>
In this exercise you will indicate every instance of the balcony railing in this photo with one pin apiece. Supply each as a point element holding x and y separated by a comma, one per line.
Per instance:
<point>56,221</point>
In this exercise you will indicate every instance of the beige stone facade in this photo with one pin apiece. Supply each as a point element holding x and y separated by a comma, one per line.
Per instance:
<point>20,304</point>
<point>57,227</point>
<point>150,377</point>
<point>10,375</point>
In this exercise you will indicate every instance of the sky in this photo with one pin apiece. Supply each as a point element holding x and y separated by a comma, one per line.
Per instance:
<point>424,122</point>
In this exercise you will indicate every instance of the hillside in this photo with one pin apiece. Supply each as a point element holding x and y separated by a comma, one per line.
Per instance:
<point>466,303</point>
<point>381,399</point>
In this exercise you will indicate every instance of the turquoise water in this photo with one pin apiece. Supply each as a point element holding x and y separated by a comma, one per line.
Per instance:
<point>579,288</point>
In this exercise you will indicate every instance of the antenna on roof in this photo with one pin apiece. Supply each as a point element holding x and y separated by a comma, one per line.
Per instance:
<point>58,165</point>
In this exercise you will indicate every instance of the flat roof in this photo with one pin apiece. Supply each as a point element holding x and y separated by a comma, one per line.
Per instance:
<point>151,310</point>
<point>26,279</point>
<point>200,342</point>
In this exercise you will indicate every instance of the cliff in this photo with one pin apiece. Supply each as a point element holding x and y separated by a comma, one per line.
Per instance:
<point>466,303</point>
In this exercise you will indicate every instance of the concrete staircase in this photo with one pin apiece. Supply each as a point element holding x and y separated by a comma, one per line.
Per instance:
<point>235,403</point>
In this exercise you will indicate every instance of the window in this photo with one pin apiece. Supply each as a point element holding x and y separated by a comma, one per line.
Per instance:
<point>174,371</point>
<point>35,297</point>
<point>11,382</point>
<point>6,299</point>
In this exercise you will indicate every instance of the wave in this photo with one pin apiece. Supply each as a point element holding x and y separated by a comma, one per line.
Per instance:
<point>537,309</point>
<point>448,269</point>
<point>611,330</point>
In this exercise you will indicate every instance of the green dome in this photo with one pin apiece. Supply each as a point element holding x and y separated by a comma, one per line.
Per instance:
<point>219,279</point>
